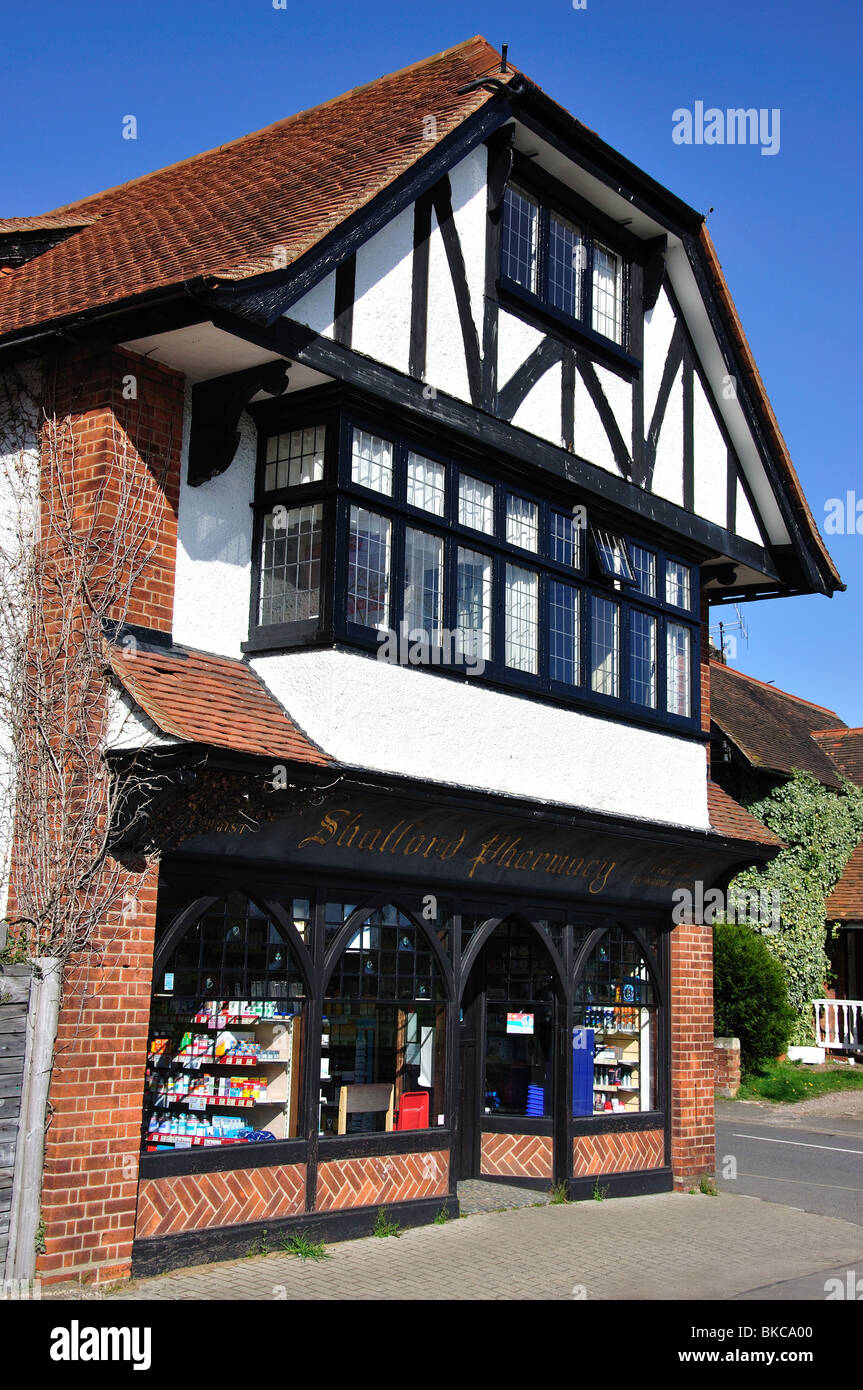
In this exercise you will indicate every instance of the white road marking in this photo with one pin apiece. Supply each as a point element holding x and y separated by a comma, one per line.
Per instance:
<point>799,1144</point>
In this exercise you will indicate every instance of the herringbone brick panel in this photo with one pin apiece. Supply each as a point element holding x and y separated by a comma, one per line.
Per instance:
<point>517,1155</point>
<point>193,1203</point>
<point>627,1152</point>
<point>364,1182</point>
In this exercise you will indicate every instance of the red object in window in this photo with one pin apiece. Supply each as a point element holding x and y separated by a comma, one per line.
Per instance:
<point>413,1110</point>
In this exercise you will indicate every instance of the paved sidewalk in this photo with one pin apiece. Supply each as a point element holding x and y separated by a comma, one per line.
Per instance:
<point>668,1246</point>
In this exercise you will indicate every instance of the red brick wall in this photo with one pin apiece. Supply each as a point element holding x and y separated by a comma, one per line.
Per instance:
<point>692,1128</point>
<point>199,1201</point>
<point>726,1066</point>
<point>90,1184</point>
<point>517,1155</point>
<point>368,1182</point>
<point>629,1151</point>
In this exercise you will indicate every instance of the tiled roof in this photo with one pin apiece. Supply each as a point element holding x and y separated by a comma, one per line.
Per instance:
<point>729,818</point>
<point>211,700</point>
<point>845,747</point>
<point>771,728</point>
<point>223,213</point>
<point>845,903</point>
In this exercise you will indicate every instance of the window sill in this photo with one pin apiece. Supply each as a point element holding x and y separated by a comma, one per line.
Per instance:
<point>545,315</point>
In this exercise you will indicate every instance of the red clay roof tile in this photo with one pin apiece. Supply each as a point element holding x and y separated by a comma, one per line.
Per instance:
<point>729,818</point>
<point>213,700</point>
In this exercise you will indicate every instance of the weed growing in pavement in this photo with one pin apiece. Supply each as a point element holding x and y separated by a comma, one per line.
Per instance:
<point>442,1217</point>
<point>300,1245</point>
<point>559,1194</point>
<point>599,1193</point>
<point>384,1225</point>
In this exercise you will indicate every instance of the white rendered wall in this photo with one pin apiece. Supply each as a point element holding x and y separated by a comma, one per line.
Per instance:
<point>128,725</point>
<point>659,325</point>
<point>539,412</point>
<point>382,293</point>
<point>668,471</point>
<point>317,308</point>
<point>710,455</point>
<point>516,340</point>
<point>405,721</point>
<point>590,440</point>
<point>745,524</point>
<point>445,359</point>
<point>214,547</point>
<point>618,393</point>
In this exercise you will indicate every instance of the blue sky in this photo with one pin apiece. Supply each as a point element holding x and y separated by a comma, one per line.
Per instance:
<point>786,226</point>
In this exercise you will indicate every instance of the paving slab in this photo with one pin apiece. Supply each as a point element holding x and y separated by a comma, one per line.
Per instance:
<point>671,1246</point>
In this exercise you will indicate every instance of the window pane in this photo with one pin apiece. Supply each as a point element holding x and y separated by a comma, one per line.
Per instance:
<point>476,504</point>
<point>644,565</point>
<point>678,666</point>
<point>426,484</point>
<point>522,522</point>
<point>294,458</point>
<point>604,646</point>
<point>519,238</point>
<point>565,539</point>
<point>382,1064</point>
<point>677,584</point>
<point>291,565</point>
<point>642,658</point>
<point>521,603</point>
<point>473,603</point>
<point>612,554</point>
<point>563,633</point>
<point>607,293</point>
<point>423,586</point>
<point>368,569</point>
<point>564,266</point>
<point>372,462</point>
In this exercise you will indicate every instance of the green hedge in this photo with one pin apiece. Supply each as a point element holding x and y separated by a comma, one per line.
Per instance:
<point>750,995</point>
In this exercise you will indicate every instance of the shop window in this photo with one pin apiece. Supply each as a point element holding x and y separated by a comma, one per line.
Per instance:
<point>226,1021</point>
<point>614,1035</point>
<point>384,1031</point>
<point>519,1023</point>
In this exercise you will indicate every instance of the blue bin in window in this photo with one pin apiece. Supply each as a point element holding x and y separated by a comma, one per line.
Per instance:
<point>582,1071</point>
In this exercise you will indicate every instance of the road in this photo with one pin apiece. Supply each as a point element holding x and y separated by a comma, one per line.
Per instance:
<point>810,1162</point>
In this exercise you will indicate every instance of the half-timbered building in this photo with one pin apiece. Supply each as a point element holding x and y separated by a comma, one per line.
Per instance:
<point>457,436</point>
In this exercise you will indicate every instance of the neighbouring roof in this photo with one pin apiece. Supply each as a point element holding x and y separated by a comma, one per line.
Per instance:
<point>211,700</point>
<point>221,214</point>
<point>729,818</point>
<point>845,903</point>
<point>773,730</point>
<point>845,747</point>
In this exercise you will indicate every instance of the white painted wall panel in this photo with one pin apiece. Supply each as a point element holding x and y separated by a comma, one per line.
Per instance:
<point>317,308</point>
<point>589,436</point>
<point>405,721</point>
<point>618,393</point>
<point>539,412</point>
<point>516,340</point>
<point>214,546</point>
<point>668,472</point>
<point>382,296</point>
<point>128,725</point>
<point>710,457</point>
<point>746,525</point>
<point>658,327</point>
<point>445,361</point>
<point>469,207</point>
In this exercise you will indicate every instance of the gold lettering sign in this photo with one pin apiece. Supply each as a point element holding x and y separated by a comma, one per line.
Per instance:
<point>343,829</point>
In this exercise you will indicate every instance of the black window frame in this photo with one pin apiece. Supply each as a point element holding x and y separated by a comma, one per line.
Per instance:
<point>555,200</point>
<point>338,492</point>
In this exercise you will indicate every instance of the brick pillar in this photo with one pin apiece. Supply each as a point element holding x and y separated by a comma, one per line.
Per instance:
<point>110,415</point>
<point>90,1184</point>
<point>692,1067</point>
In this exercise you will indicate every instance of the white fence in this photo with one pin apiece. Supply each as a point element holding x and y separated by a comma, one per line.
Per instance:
<point>839,1024</point>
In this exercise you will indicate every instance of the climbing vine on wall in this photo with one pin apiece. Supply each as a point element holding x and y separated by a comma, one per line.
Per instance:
<point>820,828</point>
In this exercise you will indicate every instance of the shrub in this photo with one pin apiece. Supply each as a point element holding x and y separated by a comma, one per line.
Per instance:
<point>750,996</point>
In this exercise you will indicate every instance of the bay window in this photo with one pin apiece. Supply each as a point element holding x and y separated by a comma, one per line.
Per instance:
<point>362,533</point>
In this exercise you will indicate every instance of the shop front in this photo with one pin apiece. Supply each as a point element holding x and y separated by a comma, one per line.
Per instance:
<point>363,1002</point>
